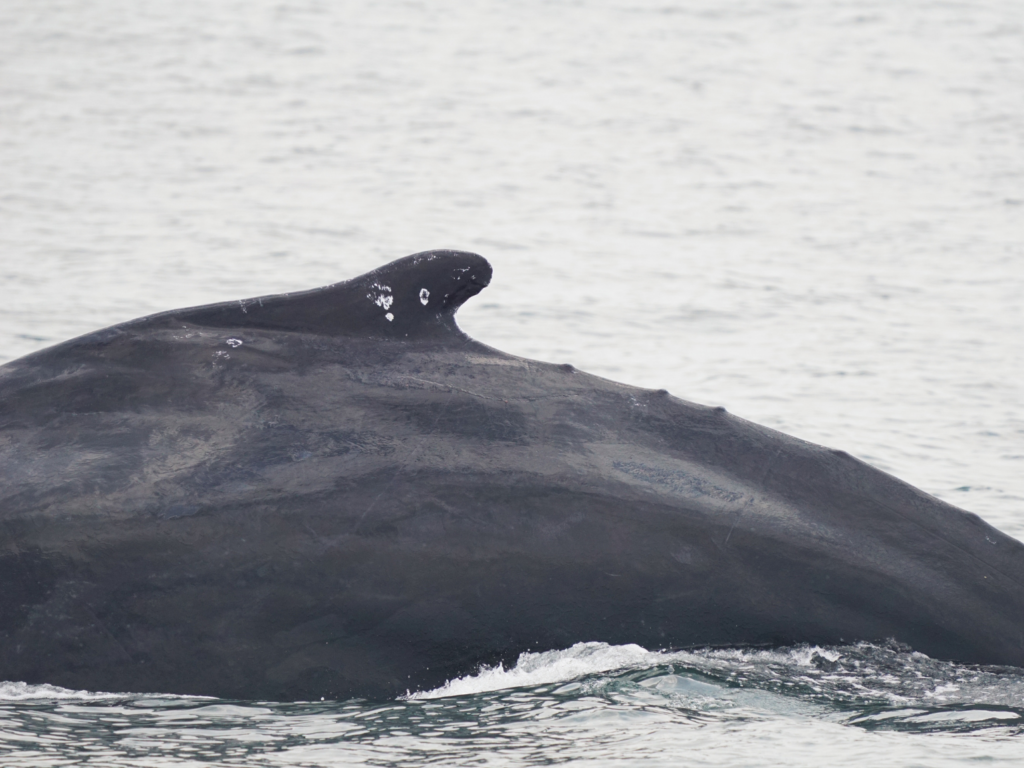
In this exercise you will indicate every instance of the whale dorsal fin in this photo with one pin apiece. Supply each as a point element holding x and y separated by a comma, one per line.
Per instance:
<point>414,298</point>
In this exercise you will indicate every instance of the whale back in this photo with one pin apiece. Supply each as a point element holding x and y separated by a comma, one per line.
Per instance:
<point>298,496</point>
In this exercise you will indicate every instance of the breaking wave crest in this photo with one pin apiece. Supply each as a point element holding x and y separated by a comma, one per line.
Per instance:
<point>874,686</point>
<point>10,692</point>
<point>534,669</point>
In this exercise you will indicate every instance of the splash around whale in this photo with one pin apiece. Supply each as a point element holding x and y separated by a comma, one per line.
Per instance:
<point>337,493</point>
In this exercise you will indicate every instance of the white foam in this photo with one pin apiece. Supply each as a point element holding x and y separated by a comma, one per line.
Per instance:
<point>804,656</point>
<point>549,667</point>
<point>24,692</point>
<point>585,659</point>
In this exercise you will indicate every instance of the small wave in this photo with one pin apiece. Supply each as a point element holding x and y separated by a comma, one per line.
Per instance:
<point>16,691</point>
<point>871,685</point>
<point>588,659</point>
<point>533,669</point>
<point>11,691</point>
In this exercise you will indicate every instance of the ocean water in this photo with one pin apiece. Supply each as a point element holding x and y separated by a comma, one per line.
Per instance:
<point>811,213</point>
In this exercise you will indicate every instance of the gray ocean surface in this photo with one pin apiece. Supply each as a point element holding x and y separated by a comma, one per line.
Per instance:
<point>811,213</point>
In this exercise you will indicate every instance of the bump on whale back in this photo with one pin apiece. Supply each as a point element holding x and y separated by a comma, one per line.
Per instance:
<point>412,298</point>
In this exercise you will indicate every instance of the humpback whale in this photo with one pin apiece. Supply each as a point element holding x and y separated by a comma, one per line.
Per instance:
<point>337,493</point>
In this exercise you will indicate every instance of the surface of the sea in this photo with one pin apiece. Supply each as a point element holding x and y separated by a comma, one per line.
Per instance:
<point>811,213</point>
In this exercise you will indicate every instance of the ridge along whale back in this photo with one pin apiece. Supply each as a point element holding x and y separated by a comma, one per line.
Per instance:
<point>413,298</point>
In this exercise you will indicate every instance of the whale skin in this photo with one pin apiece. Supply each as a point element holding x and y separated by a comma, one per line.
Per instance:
<point>337,493</point>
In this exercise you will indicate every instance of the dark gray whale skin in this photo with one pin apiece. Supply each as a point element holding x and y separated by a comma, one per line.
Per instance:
<point>296,497</point>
